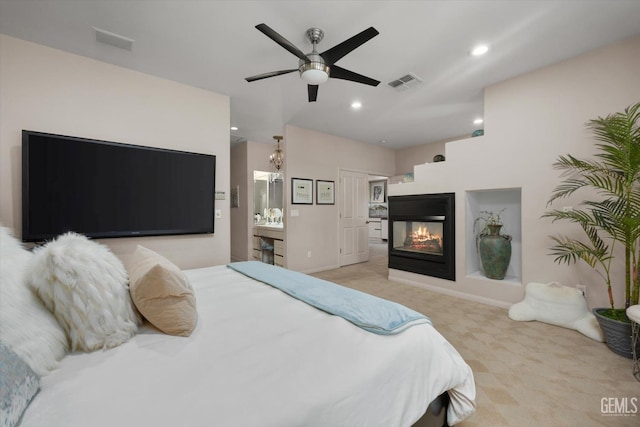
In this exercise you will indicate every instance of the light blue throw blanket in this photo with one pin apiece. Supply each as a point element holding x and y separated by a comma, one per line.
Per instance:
<point>366,311</point>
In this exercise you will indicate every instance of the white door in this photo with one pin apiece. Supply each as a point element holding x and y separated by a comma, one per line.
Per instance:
<point>354,210</point>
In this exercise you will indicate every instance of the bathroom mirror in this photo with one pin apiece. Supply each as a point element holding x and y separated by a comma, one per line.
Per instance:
<point>268,198</point>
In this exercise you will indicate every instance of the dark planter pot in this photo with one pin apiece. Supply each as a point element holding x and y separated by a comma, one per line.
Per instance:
<point>495,252</point>
<point>617,334</point>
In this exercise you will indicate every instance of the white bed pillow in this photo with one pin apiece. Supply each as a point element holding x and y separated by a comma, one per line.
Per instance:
<point>162,293</point>
<point>86,288</point>
<point>26,326</point>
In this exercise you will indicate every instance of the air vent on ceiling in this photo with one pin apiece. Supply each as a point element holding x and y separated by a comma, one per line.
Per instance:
<point>405,82</point>
<point>113,39</point>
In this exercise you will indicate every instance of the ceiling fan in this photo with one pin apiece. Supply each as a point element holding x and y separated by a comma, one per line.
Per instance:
<point>315,68</point>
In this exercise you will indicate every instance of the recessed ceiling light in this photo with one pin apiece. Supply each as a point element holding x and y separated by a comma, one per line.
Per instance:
<point>234,128</point>
<point>383,141</point>
<point>480,50</point>
<point>478,121</point>
<point>356,105</point>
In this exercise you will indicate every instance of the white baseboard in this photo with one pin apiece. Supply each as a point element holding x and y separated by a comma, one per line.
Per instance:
<point>452,293</point>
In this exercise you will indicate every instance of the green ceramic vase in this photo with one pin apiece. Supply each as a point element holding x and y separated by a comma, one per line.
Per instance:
<point>495,252</point>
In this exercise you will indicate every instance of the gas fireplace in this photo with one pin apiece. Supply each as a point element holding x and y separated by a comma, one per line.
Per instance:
<point>418,236</point>
<point>422,234</point>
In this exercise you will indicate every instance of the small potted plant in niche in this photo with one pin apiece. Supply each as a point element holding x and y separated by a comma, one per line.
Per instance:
<point>494,248</point>
<point>610,217</point>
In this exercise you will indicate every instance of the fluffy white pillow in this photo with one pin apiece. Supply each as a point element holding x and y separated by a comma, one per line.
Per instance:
<point>26,326</point>
<point>557,305</point>
<point>86,288</point>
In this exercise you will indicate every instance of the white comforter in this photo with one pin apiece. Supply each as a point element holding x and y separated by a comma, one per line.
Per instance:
<point>256,358</point>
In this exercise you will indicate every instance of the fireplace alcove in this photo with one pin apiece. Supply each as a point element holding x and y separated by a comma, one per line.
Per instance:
<point>422,234</point>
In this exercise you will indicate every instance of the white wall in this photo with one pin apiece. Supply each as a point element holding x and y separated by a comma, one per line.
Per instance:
<point>315,155</point>
<point>529,122</point>
<point>48,90</point>
<point>239,177</point>
<point>407,158</point>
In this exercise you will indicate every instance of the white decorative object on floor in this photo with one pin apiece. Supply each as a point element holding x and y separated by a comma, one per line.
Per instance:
<point>633,313</point>
<point>557,305</point>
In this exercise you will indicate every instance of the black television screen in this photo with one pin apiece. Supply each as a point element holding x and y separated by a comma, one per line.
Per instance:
<point>106,189</point>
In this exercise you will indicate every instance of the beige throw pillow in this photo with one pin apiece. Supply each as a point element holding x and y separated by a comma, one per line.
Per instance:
<point>162,293</point>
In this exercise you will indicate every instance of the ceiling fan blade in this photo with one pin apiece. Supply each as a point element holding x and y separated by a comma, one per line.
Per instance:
<point>269,74</point>
<point>344,74</point>
<point>273,35</point>
<point>332,55</point>
<point>313,92</point>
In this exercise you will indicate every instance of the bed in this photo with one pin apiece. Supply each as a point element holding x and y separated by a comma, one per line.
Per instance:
<point>258,356</point>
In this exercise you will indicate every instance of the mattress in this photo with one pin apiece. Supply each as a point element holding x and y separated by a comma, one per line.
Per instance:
<point>256,357</point>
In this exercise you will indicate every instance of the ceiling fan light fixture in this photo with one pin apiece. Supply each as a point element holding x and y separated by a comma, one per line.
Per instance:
<point>316,68</point>
<point>315,77</point>
<point>315,71</point>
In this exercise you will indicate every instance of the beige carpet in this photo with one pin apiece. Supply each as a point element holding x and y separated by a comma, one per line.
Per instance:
<point>526,373</point>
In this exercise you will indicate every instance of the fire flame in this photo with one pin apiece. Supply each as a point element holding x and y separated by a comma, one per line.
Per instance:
<point>423,234</point>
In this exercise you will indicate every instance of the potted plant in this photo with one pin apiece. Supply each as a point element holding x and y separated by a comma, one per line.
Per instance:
<point>610,216</point>
<point>494,248</point>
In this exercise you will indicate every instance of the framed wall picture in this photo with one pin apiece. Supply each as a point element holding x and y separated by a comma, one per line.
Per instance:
<point>325,192</point>
<point>301,191</point>
<point>377,190</point>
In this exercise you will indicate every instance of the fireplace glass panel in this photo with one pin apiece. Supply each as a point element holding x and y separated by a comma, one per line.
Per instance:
<point>418,236</point>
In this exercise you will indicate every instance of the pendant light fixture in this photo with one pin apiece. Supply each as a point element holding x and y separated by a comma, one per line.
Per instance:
<point>277,157</point>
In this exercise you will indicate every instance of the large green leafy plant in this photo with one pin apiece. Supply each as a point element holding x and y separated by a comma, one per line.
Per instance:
<point>611,216</point>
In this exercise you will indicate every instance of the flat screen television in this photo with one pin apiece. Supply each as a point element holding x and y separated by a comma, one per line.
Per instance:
<point>107,189</point>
